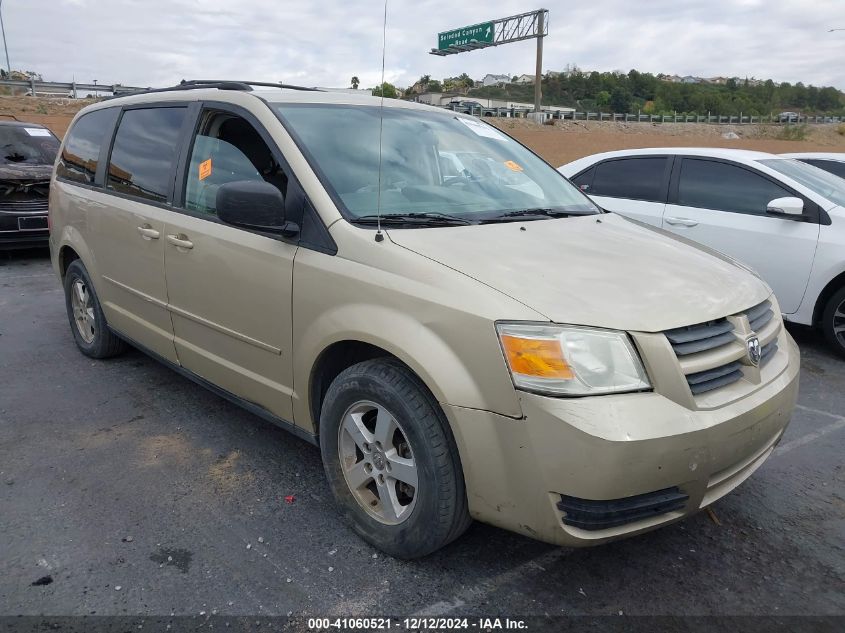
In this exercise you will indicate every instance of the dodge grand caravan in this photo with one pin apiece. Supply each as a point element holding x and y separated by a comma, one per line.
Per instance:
<point>460,344</point>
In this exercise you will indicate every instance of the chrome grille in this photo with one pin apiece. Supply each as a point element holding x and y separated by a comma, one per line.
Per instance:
<point>711,353</point>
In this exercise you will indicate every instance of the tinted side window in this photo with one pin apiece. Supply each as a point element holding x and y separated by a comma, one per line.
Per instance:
<point>82,148</point>
<point>142,159</point>
<point>584,180</point>
<point>227,149</point>
<point>634,178</point>
<point>710,185</point>
<point>835,167</point>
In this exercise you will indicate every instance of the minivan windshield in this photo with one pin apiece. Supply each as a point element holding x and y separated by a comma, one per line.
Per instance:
<point>439,167</point>
<point>27,145</point>
<point>818,180</point>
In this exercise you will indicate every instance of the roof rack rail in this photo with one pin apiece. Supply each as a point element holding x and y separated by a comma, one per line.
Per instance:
<point>264,84</point>
<point>220,84</point>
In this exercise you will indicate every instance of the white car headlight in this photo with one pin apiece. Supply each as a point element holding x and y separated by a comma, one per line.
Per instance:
<point>569,360</point>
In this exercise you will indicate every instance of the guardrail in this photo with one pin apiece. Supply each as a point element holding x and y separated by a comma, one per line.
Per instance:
<point>740,119</point>
<point>64,89</point>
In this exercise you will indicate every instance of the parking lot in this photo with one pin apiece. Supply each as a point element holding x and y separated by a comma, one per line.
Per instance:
<point>136,491</point>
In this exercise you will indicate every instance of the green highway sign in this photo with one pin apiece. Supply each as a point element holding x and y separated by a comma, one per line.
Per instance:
<point>482,33</point>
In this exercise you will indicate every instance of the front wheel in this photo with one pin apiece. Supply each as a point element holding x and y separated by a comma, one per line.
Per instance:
<point>391,461</point>
<point>833,321</point>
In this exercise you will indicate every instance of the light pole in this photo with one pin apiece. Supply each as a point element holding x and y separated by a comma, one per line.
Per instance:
<point>829,30</point>
<point>3,29</point>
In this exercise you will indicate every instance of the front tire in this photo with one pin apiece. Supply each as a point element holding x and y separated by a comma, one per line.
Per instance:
<point>87,321</point>
<point>391,461</point>
<point>833,321</point>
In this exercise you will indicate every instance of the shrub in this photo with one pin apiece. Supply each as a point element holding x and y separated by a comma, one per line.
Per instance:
<point>793,133</point>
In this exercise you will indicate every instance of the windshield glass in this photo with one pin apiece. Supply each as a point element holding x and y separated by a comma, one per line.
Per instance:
<point>28,145</point>
<point>431,163</point>
<point>823,183</point>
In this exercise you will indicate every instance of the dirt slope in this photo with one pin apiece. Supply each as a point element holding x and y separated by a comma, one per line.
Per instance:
<point>566,140</point>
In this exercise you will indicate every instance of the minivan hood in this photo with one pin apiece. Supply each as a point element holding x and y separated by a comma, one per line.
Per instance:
<point>599,270</point>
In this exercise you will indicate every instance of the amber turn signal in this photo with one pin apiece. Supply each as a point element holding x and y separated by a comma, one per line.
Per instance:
<point>536,357</point>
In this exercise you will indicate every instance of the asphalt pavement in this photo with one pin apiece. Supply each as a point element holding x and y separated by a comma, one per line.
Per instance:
<point>127,489</point>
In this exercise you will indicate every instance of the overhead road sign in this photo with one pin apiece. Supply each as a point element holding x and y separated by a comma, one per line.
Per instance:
<point>493,33</point>
<point>466,36</point>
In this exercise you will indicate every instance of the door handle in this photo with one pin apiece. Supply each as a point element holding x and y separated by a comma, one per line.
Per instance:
<point>681,222</point>
<point>180,240</point>
<point>148,232</point>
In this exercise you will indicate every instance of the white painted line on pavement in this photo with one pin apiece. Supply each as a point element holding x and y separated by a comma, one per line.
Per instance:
<point>488,586</point>
<point>809,437</point>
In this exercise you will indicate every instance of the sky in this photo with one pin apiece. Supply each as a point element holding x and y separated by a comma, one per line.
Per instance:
<point>325,42</point>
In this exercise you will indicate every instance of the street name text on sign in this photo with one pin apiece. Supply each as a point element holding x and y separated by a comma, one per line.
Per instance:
<point>461,37</point>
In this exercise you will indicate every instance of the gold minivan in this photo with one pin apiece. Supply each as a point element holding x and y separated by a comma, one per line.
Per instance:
<point>463,333</point>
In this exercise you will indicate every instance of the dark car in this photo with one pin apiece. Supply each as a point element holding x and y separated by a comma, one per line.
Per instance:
<point>27,153</point>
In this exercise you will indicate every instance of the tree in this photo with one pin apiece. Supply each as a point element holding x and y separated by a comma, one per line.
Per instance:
<point>355,82</point>
<point>386,90</point>
<point>434,86</point>
<point>620,100</point>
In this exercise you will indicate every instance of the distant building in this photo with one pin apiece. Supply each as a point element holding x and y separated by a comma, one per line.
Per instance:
<point>495,80</point>
<point>525,79</point>
<point>718,81</point>
<point>689,79</point>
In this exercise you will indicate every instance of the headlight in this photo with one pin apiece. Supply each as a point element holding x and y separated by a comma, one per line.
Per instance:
<point>571,361</point>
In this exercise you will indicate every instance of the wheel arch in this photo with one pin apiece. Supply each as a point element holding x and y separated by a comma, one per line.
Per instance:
<point>824,296</point>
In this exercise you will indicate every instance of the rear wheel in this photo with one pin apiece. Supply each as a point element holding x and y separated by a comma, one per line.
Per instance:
<point>833,321</point>
<point>87,321</point>
<point>391,461</point>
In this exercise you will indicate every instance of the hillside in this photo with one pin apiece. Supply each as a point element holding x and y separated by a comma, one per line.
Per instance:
<point>611,92</point>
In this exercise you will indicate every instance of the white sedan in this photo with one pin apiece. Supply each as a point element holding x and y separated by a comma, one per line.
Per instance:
<point>782,217</point>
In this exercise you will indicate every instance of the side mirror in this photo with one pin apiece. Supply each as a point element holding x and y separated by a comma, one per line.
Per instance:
<point>254,204</point>
<point>786,206</point>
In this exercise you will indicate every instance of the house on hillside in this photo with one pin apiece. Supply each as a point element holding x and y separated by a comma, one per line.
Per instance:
<point>525,79</point>
<point>717,81</point>
<point>495,80</point>
<point>673,79</point>
<point>689,79</point>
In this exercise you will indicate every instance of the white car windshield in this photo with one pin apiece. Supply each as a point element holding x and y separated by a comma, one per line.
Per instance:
<point>818,180</point>
<point>431,163</point>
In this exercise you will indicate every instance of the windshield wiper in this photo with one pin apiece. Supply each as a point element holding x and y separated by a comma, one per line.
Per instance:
<point>431,218</point>
<point>532,214</point>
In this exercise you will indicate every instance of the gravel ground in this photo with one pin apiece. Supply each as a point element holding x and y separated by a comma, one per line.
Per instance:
<point>136,492</point>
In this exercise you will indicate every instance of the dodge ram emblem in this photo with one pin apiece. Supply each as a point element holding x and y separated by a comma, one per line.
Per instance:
<point>754,352</point>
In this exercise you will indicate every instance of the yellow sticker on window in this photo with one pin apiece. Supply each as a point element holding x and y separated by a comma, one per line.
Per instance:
<point>513,166</point>
<point>205,169</point>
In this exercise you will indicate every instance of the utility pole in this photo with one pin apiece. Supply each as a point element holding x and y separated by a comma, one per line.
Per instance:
<point>538,75</point>
<point>3,29</point>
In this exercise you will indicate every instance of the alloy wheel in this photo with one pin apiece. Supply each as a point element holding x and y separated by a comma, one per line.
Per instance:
<point>377,462</point>
<point>83,310</point>
<point>839,323</point>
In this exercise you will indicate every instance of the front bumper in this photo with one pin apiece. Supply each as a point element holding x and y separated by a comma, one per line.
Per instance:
<point>23,239</point>
<point>613,447</point>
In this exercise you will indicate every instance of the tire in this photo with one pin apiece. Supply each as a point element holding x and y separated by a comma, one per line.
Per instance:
<point>362,403</point>
<point>87,321</point>
<point>833,321</point>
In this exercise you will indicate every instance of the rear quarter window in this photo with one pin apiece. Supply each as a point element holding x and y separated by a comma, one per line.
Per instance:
<point>81,153</point>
